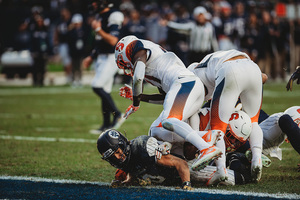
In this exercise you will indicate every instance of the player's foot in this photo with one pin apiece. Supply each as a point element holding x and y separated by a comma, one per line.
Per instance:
<point>256,170</point>
<point>118,121</point>
<point>217,177</point>
<point>212,136</point>
<point>99,130</point>
<point>206,156</point>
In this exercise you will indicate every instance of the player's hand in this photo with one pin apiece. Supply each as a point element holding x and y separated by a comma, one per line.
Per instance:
<point>116,183</point>
<point>187,186</point>
<point>126,92</point>
<point>131,109</point>
<point>295,76</point>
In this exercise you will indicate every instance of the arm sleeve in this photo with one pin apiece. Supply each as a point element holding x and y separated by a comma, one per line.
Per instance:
<point>137,83</point>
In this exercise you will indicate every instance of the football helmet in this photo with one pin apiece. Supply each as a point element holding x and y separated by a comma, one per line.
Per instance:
<point>239,129</point>
<point>122,54</point>
<point>294,112</point>
<point>109,142</point>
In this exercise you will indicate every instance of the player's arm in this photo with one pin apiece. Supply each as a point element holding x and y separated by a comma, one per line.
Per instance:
<point>264,77</point>
<point>180,165</point>
<point>295,76</point>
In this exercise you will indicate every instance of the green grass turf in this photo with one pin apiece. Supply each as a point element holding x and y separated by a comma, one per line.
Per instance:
<point>64,112</point>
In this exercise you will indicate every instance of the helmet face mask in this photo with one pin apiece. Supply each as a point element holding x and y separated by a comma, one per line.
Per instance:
<point>126,66</point>
<point>239,129</point>
<point>112,142</point>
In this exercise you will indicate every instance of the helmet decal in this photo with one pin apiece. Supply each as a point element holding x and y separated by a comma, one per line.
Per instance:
<point>114,134</point>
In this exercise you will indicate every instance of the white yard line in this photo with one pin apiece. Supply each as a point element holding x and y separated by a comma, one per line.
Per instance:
<point>197,190</point>
<point>47,139</point>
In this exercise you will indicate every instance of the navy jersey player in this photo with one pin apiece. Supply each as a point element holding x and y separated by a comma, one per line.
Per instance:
<point>140,156</point>
<point>107,27</point>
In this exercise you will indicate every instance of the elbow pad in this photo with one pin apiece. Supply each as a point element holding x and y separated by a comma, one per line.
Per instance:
<point>138,78</point>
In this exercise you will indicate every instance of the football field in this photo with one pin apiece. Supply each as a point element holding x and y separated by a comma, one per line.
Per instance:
<point>44,133</point>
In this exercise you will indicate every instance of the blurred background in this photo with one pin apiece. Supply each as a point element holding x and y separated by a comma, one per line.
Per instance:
<point>33,32</point>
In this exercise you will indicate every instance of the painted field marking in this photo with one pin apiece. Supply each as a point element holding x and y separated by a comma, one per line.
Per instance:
<point>196,190</point>
<point>47,139</point>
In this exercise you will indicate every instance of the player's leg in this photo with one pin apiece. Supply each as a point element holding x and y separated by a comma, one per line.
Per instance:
<point>251,97</point>
<point>102,85</point>
<point>182,101</point>
<point>291,129</point>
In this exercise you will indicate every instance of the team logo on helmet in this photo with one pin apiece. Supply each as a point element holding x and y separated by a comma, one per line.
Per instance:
<point>114,134</point>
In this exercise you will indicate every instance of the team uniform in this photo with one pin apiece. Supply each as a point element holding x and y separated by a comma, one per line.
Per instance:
<point>105,68</point>
<point>184,91</point>
<point>227,76</point>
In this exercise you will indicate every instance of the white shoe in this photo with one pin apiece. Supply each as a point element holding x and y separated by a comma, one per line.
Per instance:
<point>212,136</point>
<point>218,177</point>
<point>256,170</point>
<point>99,130</point>
<point>119,122</point>
<point>205,157</point>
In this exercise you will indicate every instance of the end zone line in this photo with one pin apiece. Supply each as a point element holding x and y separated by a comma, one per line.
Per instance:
<point>196,190</point>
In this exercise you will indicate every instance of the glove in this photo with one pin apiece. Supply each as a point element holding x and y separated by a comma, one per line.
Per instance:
<point>187,186</point>
<point>126,92</point>
<point>295,76</point>
<point>131,109</point>
<point>163,149</point>
<point>115,183</point>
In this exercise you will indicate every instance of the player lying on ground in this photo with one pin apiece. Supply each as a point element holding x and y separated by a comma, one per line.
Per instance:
<point>139,156</point>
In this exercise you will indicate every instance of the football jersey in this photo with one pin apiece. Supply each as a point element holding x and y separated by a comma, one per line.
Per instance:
<point>162,67</point>
<point>111,22</point>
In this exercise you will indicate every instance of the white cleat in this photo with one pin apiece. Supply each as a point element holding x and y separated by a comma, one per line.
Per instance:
<point>119,121</point>
<point>212,137</point>
<point>218,177</point>
<point>205,157</point>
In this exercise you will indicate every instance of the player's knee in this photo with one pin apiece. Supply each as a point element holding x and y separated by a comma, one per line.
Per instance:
<point>169,123</point>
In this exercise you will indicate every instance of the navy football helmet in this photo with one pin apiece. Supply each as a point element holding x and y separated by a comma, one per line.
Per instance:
<point>109,142</point>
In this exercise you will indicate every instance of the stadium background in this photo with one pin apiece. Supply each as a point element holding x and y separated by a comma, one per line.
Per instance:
<point>39,127</point>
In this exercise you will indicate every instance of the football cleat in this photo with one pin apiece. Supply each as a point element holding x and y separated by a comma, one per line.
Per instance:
<point>217,177</point>
<point>212,136</point>
<point>256,170</point>
<point>206,156</point>
<point>118,121</point>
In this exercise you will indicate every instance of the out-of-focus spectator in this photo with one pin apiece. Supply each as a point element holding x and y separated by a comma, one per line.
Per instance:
<point>249,43</point>
<point>39,49</point>
<point>202,39</point>
<point>239,18</point>
<point>267,46</point>
<point>77,36</point>
<point>225,31</point>
<point>61,41</point>
<point>136,25</point>
<point>296,53</point>
<point>281,36</point>
<point>178,42</point>
<point>155,31</point>
<point>22,38</point>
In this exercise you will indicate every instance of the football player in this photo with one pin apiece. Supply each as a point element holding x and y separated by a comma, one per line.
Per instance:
<point>182,92</point>
<point>227,76</point>
<point>107,25</point>
<point>140,156</point>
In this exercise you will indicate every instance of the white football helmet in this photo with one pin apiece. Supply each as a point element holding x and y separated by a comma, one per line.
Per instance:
<point>123,54</point>
<point>239,129</point>
<point>294,112</point>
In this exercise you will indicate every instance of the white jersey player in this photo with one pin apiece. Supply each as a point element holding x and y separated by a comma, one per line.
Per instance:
<point>184,92</point>
<point>228,75</point>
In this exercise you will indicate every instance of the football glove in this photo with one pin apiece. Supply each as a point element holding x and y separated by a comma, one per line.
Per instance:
<point>131,109</point>
<point>295,76</point>
<point>126,92</point>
